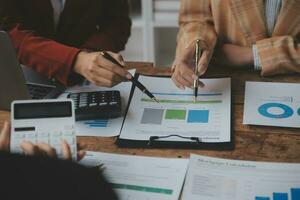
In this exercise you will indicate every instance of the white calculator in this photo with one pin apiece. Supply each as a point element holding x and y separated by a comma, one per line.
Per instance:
<point>47,121</point>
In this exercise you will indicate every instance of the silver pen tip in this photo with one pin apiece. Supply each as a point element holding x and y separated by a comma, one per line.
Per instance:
<point>195,99</point>
<point>156,100</point>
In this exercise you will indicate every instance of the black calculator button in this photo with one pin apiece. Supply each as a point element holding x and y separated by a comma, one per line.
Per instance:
<point>96,105</point>
<point>74,97</point>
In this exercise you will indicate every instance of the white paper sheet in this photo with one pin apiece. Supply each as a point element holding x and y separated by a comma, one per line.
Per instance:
<point>208,118</point>
<point>222,179</point>
<point>272,104</point>
<point>102,128</point>
<point>137,177</point>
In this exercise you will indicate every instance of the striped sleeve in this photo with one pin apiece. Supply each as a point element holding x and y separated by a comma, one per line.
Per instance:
<point>195,22</point>
<point>279,55</point>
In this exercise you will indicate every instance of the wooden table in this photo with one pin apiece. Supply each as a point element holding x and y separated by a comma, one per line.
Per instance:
<point>256,143</point>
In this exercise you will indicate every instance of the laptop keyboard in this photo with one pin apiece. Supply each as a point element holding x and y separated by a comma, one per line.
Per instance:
<point>37,91</point>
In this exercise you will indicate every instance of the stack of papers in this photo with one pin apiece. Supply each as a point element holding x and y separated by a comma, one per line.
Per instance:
<point>152,178</point>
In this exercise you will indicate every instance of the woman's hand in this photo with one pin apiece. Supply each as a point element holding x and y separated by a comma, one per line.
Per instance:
<point>45,149</point>
<point>36,149</point>
<point>183,68</point>
<point>100,71</point>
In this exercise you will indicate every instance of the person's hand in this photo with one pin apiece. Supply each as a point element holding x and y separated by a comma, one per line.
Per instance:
<point>36,149</point>
<point>183,68</point>
<point>5,137</point>
<point>44,149</point>
<point>234,56</point>
<point>100,71</point>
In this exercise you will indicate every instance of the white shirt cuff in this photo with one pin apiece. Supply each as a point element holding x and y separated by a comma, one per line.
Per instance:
<point>257,62</point>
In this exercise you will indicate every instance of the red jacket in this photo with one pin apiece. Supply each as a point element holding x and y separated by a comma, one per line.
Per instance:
<point>84,24</point>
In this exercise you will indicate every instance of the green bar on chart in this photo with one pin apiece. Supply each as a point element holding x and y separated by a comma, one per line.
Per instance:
<point>142,188</point>
<point>175,114</point>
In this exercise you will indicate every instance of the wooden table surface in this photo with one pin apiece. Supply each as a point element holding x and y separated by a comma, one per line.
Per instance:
<point>258,143</point>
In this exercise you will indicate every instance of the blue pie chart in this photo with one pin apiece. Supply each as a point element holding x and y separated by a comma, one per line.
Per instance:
<point>287,111</point>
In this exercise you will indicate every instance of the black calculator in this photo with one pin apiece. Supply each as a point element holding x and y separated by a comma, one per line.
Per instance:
<point>97,105</point>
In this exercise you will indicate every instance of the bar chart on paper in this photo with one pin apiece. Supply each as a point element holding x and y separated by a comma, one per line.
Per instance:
<point>189,116</point>
<point>100,127</point>
<point>97,123</point>
<point>184,114</point>
<point>177,113</point>
<point>141,178</point>
<point>243,180</point>
<point>293,194</point>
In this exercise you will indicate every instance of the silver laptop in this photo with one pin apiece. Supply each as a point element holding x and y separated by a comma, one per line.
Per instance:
<point>13,83</point>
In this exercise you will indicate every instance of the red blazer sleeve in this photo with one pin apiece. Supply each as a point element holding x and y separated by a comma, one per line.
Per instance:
<point>45,56</point>
<point>115,31</point>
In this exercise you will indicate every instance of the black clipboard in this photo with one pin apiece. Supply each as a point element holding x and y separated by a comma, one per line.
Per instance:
<point>190,143</point>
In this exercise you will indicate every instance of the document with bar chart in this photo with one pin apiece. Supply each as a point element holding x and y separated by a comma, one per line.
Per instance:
<point>243,180</point>
<point>207,118</point>
<point>272,104</point>
<point>139,177</point>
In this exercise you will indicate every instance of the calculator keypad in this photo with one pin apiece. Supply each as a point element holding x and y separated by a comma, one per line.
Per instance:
<point>91,99</point>
<point>52,138</point>
<point>97,105</point>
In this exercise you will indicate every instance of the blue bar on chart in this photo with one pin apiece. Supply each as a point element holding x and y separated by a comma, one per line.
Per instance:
<point>262,198</point>
<point>97,123</point>
<point>280,196</point>
<point>295,193</point>
<point>198,116</point>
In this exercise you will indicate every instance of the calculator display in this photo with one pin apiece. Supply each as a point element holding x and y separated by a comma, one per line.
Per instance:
<point>42,110</point>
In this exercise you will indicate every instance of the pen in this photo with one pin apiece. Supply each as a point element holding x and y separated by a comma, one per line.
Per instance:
<point>133,80</point>
<point>197,57</point>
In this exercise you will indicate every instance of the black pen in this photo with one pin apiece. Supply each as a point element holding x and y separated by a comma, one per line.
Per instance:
<point>133,80</point>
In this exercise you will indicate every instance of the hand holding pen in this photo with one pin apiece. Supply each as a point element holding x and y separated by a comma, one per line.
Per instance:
<point>134,81</point>
<point>184,65</point>
<point>100,71</point>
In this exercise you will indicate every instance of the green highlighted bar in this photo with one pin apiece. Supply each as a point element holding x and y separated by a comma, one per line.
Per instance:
<point>175,114</point>
<point>142,188</point>
<point>183,101</point>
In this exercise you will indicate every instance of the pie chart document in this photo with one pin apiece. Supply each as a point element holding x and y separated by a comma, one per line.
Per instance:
<point>272,104</point>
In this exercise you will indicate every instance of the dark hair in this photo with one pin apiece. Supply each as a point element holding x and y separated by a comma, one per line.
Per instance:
<point>44,178</point>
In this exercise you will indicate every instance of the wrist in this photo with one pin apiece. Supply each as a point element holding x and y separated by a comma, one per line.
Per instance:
<point>249,57</point>
<point>80,62</point>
